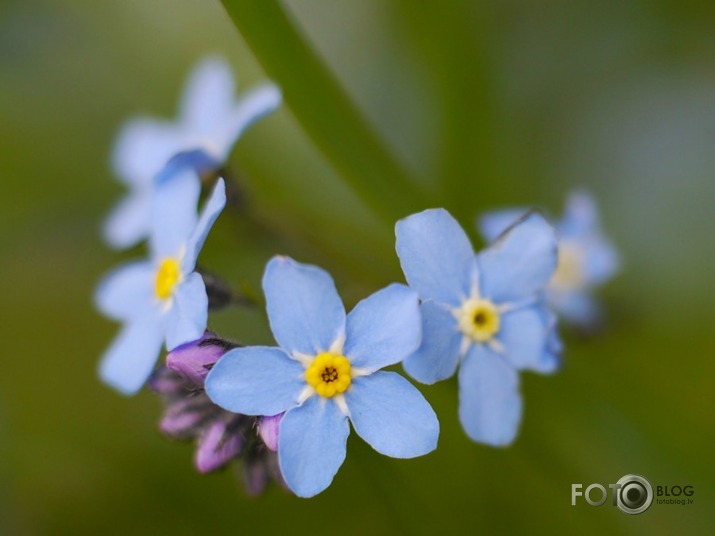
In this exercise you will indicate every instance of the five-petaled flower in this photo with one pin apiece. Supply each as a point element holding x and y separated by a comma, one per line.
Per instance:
<point>587,258</point>
<point>484,310</point>
<point>162,299</point>
<point>210,121</point>
<point>326,373</point>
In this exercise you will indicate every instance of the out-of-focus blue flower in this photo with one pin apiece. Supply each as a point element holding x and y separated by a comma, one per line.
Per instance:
<point>326,373</point>
<point>162,299</point>
<point>210,121</point>
<point>485,311</point>
<point>587,258</point>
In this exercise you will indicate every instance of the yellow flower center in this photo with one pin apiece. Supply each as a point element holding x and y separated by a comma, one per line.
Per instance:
<point>329,374</point>
<point>167,277</point>
<point>569,269</point>
<point>478,319</point>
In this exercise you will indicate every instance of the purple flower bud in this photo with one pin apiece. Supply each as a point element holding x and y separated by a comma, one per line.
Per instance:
<point>193,360</point>
<point>255,477</point>
<point>221,436</point>
<point>260,466</point>
<point>167,383</point>
<point>183,417</point>
<point>268,430</point>
<point>217,446</point>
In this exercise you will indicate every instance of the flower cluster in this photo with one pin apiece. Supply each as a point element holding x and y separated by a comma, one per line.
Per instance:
<point>287,410</point>
<point>163,300</point>
<point>221,436</point>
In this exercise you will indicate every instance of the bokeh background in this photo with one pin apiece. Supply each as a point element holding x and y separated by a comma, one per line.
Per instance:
<point>484,104</point>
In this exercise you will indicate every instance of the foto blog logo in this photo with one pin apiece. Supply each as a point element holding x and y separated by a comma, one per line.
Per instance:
<point>632,494</point>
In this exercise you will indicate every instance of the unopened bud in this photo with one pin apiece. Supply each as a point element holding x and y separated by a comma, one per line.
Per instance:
<point>218,445</point>
<point>193,360</point>
<point>268,430</point>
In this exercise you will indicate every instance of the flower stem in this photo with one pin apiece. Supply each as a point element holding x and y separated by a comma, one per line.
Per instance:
<point>221,295</point>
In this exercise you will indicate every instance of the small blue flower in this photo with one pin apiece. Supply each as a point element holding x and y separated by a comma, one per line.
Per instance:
<point>484,310</point>
<point>326,373</point>
<point>162,299</point>
<point>587,258</point>
<point>210,121</point>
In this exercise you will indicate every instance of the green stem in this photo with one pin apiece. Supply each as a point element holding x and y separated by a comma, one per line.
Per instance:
<point>324,111</point>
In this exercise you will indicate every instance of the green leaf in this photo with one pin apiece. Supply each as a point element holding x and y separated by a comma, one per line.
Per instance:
<point>324,111</point>
<point>454,41</point>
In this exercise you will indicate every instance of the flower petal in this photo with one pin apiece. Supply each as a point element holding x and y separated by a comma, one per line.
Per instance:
<point>304,309</point>
<point>186,319</point>
<point>384,328</point>
<point>390,414</point>
<point>550,360</point>
<point>494,223</point>
<point>128,222</point>
<point>127,292</point>
<point>600,262</point>
<point>438,354</point>
<point>436,256</point>
<point>312,445</point>
<point>523,334</point>
<point>520,263</point>
<point>581,224</point>
<point>256,380</point>
<point>253,105</point>
<point>213,207</point>
<point>580,217</point>
<point>194,158</point>
<point>128,362</point>
<point>142,148</point>
<point>489,399</point>
<point>174,209</point>
<point>208,95</point>
<point>575,307</point>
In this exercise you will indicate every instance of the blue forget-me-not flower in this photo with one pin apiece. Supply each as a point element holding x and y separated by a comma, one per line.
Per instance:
<point>483,312</point>
<point>587,258</point>
<point>161,300</point>
<point>326,374</point>
<point>210,121</point>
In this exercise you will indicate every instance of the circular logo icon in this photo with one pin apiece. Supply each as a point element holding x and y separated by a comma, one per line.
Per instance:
<point>635,494</point>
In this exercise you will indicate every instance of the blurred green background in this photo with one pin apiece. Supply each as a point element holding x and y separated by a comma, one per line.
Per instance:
<point>484,104</point>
